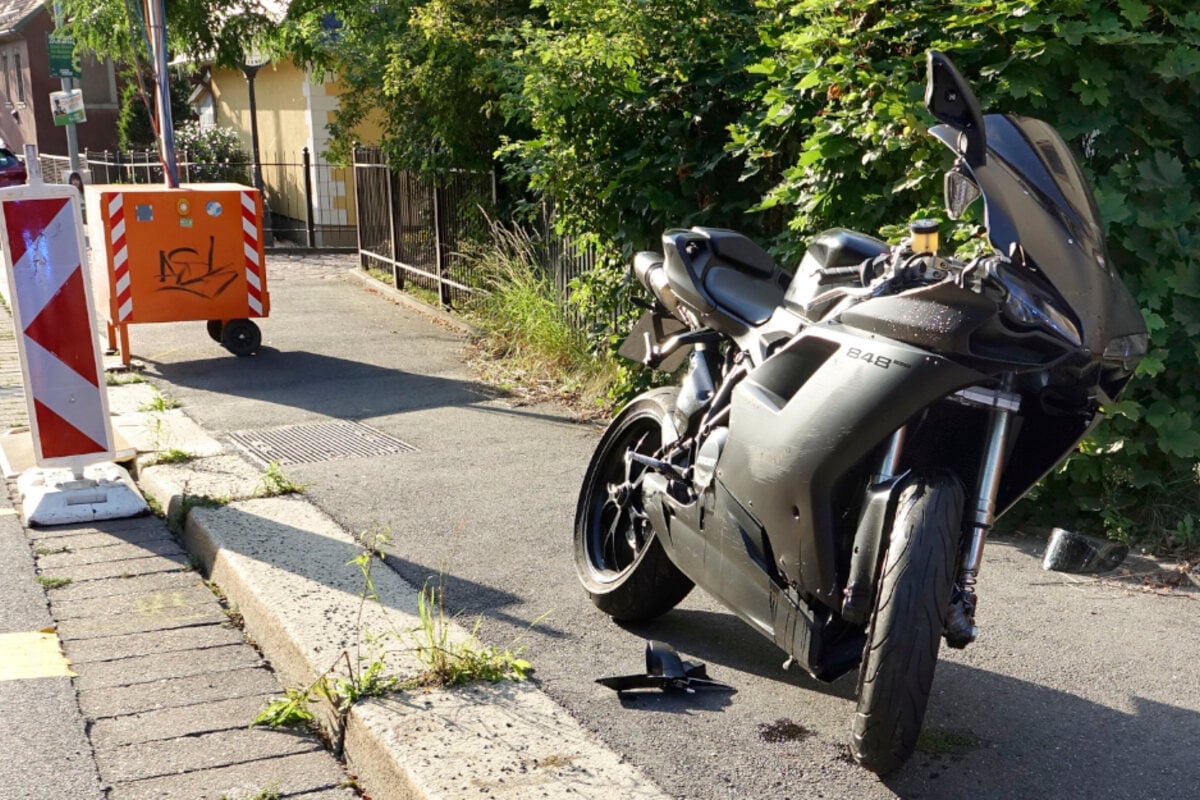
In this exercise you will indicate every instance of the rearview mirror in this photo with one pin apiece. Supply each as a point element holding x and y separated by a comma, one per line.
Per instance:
<point>959,192</point>
<point>949,98</point>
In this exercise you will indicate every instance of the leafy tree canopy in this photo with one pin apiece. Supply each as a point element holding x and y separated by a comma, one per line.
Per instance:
<point>222,30</point>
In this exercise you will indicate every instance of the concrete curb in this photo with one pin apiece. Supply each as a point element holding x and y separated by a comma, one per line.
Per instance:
<point>407,300</point>
<point>283,563</point>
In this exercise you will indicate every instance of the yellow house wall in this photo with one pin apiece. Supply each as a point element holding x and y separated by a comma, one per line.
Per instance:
<point>292,114</point>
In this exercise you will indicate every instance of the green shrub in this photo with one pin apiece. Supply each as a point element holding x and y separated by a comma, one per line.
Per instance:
<point>212,154</point>
<point>839,128</point>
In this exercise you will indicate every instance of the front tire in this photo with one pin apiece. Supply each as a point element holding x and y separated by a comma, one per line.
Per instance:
<point>618,557</point>
<point>906,626</point>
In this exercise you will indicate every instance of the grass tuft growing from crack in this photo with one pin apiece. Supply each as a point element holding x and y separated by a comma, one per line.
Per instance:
<point>353,677</point>
<point>50,582</point>
<point>274,483</point>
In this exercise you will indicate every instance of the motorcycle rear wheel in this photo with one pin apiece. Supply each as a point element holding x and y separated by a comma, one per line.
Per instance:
<point>618,557</point>
<point>906,627</point>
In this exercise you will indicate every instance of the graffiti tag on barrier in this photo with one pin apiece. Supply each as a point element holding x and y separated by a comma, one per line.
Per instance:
<point>184,270</point>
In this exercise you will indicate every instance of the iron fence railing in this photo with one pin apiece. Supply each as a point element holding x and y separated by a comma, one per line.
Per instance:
<point>307,203</point>
<point>424,233</point>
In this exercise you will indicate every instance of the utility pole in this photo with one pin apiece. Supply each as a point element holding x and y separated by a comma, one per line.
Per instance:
<point>155,14</point>
<point>67,85</point>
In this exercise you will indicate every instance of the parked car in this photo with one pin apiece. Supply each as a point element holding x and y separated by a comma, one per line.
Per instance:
<point>12,171</point>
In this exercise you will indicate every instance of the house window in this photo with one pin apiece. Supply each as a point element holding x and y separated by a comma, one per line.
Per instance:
<point>20,78</point>
<point>7,79</point>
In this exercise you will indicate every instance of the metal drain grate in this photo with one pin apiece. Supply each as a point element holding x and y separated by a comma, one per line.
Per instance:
<point>316,442</point>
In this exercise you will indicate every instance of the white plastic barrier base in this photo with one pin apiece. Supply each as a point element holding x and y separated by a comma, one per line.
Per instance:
<point>57,497</point>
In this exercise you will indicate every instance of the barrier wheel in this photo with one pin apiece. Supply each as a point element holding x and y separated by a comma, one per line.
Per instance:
<point>214,329</point>
<point>240,337</point>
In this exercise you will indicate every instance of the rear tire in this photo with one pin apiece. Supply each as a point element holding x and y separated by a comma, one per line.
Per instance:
<point>618,557</point>
<point>906,627</point>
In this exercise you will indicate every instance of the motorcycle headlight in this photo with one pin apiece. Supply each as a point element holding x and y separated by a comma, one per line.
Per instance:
<point>1030,307</point>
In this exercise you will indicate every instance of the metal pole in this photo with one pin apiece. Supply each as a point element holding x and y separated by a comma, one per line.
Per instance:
<point>67,85</point>
<point>166,126</point>
<point>309,232</point>
<point>250,71</point>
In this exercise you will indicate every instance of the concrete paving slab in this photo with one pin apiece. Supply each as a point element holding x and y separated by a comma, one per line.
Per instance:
<point>161,666</point>
<point>193,691</point>
<point>130,398</point>
<point>115,527</point>
<point>174,756</point>
<point>148,603</point>
<point>292,775</point>
<point>149,431</point>
<point>224,477</point>
<point>161,620</point>
<point>46,752</point>
<point>124,568</point>
<point>78,542</point>
<point>164,545</point>
<point>172,723</point>
<point>192,637</point>
<point>125,584</point>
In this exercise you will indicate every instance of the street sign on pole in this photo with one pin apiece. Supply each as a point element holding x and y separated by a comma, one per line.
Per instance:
<point>62,56</point>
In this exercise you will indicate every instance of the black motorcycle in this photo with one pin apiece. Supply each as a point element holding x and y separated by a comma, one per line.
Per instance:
<point>842,441</point>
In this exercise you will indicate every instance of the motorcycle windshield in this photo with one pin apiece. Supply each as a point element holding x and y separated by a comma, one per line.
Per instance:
<point>1036,197</point>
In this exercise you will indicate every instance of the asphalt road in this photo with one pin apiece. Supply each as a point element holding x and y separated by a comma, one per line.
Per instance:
<point>1076,688</point>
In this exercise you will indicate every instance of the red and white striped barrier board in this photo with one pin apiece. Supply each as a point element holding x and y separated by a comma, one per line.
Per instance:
<point>121,282</point>
<point>42,239</point>
<point>254,281</point>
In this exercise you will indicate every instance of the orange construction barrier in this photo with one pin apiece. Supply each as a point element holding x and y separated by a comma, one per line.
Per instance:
<point>171,255</point>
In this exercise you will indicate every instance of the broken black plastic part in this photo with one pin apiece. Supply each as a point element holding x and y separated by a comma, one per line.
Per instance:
<point>665,671</point>
<point>1068,551</point>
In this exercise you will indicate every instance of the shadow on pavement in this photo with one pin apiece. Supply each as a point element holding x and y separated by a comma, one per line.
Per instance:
<point>326,385</point>
<point>334,387</point>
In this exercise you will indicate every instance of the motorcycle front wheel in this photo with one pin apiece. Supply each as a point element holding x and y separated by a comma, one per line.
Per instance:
<point>618,557</point>
<point>906,627</point>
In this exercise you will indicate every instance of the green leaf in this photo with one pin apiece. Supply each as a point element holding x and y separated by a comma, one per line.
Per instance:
<point>1179,63</point>
<point>1135,11</point>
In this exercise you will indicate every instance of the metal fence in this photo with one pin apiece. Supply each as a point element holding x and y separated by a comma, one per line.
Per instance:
<point>424,233</point>
<point>307,203</point>
<point>420,231</point>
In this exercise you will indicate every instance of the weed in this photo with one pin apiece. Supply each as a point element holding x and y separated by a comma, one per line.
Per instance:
<point>193,564</point>
<point>52,551</point>
<point>122,378</point>
<point>172,455</point>
<point>233,616</point>
<point>159,404</point>
<point>449,664</point>
<point>290,711</point>
<point>155,507</point>
<point>528,337</point>
<point>275,483</point>
<point>446,663</point>
<point>52,583</point>
<point>268,792</point>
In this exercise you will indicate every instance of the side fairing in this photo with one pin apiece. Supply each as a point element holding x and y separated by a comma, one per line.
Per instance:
<point>808,415</point>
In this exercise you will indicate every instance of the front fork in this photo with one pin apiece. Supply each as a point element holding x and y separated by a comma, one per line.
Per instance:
<point>1001,404</point>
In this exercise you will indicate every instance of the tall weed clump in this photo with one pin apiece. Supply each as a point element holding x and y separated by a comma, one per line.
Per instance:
<point>526,328</point>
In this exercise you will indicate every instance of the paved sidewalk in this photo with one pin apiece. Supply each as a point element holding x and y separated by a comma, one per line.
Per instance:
<point>165,685</point>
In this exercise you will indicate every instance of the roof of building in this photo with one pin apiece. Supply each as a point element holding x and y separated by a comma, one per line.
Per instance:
<point>14,13</point>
